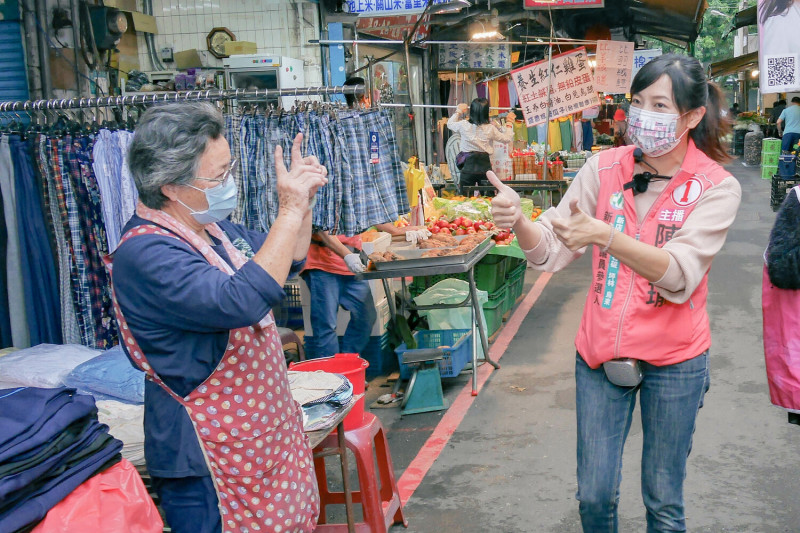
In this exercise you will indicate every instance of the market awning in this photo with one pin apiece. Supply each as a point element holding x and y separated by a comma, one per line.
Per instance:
<point>691,9</point>
<point>742,19</point>
<point>733,65</point>
<point>669,20</point>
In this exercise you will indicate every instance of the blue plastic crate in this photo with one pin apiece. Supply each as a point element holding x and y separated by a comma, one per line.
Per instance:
<point>456,355</point>
<point>378,353</point>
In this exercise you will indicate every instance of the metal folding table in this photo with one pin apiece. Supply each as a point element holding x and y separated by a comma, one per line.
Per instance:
<point>468,266</point>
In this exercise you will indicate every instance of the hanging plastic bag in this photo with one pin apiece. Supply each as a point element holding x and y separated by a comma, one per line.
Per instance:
<point>451,291</point>
<point>113,501</point>
<point>781,343</point>
<point>415,181</point>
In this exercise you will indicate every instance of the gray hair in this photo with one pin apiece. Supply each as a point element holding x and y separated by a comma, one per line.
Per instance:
<point>168,144</point>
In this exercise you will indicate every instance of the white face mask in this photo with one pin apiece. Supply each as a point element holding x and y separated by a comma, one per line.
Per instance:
<point>654,133</point>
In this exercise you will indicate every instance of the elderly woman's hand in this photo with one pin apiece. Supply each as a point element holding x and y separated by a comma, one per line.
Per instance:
<point>296,188</point>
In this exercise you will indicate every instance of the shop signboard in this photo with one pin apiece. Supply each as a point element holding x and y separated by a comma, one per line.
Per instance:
<point>643,57</point>
<point>392,28</point>
<point>612,72</point>
<point>571,81</point>
<point>477,57</point>
<point>779,49</point>
<point>378,8</point>
<point>561,4</point>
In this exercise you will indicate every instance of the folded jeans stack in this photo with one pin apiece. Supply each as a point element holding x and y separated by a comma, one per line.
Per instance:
<point>50,444</point>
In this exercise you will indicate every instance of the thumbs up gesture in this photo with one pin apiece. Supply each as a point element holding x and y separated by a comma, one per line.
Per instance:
<point>506,208</point>
<point>579,229</point>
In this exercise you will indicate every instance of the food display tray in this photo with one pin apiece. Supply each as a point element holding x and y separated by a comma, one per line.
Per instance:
<point>413,258</point>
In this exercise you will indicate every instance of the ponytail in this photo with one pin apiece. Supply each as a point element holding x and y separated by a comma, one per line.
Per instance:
<point>708,135</point>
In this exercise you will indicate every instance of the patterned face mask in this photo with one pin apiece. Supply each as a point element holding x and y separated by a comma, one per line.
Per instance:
<point>654,133</point>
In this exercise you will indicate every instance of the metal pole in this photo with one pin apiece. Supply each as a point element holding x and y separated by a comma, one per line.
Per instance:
<point>437,106</point>
<point>471,43</point>
<point>44,49</point>
<point>549,96</point>
<point>371,80</point>
<point>411,97</point>
<point>149,99</point>
<point>73,5</point>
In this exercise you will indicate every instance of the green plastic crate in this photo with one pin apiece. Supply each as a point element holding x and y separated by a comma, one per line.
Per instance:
<point>768,172</point>
<point>517,281</point>
<point>770,160</point>
<point>490,273</point>
<point>493,311</point>
<point>771,145</point>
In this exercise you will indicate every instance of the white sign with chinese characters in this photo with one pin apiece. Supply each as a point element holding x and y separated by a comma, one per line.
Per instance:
<point>643,57</point>
<point>486,57</point>
<point>612,74</point>
<point>572,87</point>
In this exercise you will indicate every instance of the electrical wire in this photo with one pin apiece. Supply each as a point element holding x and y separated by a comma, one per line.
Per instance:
<point>58,50</point>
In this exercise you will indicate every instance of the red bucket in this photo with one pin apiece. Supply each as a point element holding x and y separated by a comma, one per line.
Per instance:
<point>351,366</point>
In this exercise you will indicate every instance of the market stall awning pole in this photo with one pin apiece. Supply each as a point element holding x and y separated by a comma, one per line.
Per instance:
<point>532,42</point>
<point>436,106</point>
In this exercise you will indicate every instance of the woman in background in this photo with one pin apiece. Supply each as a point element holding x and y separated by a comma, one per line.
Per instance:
<point>477,140</point>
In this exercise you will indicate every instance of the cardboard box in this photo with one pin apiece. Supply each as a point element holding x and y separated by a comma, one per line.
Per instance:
<point>188,59</point>
<point>235,48</point>
<point>61,71</point>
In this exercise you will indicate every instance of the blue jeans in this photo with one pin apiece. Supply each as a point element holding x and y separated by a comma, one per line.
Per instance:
<point>328,292</point>
<point>789,139</point>
<point>670,397</point>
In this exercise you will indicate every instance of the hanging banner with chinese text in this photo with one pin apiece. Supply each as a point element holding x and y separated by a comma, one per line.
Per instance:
<point>641,58</point>
<point>392,28</point>
<point>779,49</point>
<point>485,57</point>
<point>612,73</point>
<point>561,4</point>
<point>572,87</point>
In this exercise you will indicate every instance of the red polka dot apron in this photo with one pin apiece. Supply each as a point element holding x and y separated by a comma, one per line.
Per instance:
<point>248,425</point>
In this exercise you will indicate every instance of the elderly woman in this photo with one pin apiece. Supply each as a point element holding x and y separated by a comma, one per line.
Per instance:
<point>224,440</point>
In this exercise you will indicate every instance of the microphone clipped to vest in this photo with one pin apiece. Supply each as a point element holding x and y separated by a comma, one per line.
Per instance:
<point>640,182</point>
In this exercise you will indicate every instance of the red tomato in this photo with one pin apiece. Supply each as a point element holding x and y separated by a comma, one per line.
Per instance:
<point>471,231</point>
<point>453,225</point>
<point>442,223</point>
<point>461,231</point>
<point>435,229</point>
<point>466,222</point>
<point>479,226</point>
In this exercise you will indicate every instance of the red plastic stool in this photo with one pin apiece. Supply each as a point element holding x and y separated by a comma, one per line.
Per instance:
<point>381,507</point>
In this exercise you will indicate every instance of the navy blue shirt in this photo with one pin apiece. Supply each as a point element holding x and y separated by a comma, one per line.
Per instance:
<point>180,309</point>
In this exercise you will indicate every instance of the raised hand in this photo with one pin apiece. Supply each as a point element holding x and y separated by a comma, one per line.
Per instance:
<point>506,205</point>
<point>579,229</point>
<point>296,188</point>
<point>462,108</point>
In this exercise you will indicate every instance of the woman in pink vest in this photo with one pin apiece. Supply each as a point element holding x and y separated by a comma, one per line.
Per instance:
<point>656,213</point>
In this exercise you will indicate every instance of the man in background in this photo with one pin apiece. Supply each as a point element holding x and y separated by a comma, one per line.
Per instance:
<point>789,125</point>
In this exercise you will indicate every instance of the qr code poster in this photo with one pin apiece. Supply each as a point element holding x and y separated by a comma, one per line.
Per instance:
<point>779,47</point>
<point>780,74</point>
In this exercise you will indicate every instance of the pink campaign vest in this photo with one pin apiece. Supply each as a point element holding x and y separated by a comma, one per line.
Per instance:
<point>624,315</point>
<point>781,310</point>
<point>246,421</point>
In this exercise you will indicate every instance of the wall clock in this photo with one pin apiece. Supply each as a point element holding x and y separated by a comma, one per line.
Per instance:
<point>216,39</point>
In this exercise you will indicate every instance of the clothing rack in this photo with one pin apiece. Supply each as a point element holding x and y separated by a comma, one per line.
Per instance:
<point>173,96</point>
